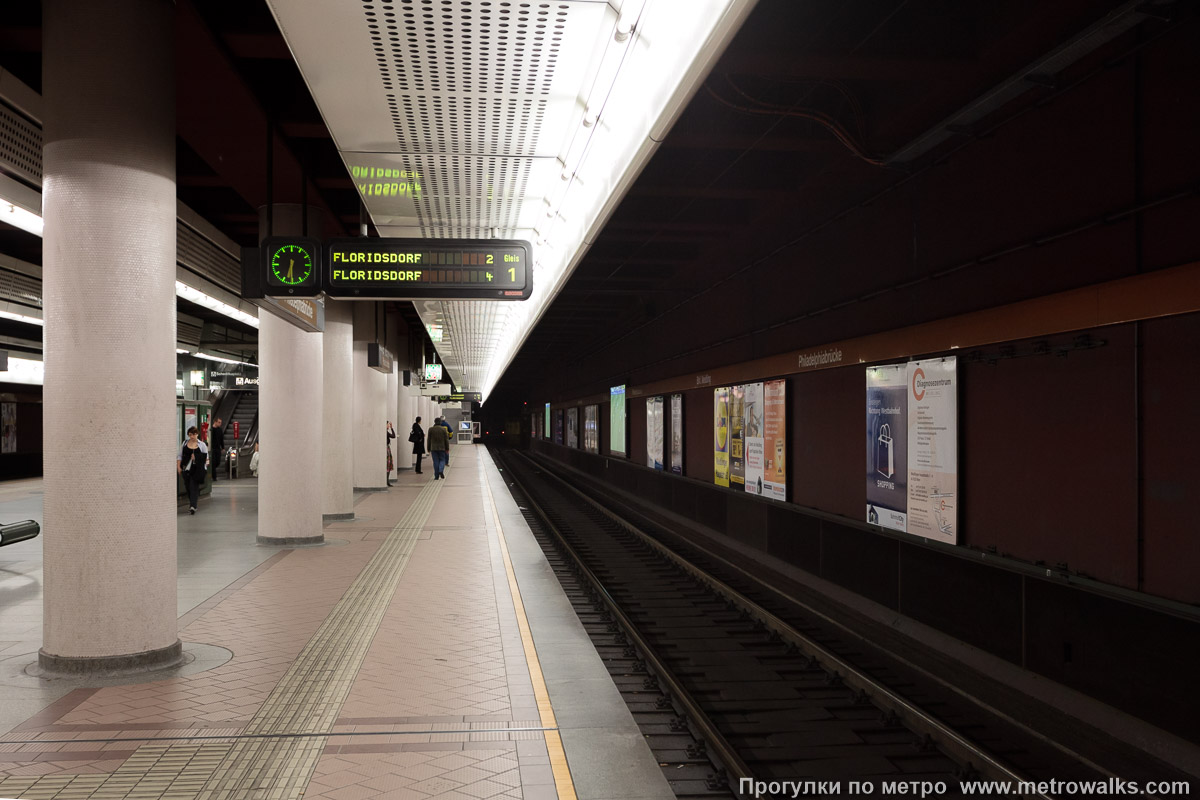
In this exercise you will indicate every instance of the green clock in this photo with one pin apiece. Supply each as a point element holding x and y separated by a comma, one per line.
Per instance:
<point>291,266</point>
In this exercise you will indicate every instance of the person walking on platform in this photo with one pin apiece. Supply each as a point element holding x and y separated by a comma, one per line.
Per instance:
<point>193,458</point>
<point>417,437</point>
<point>391,434</point>
<point>439,449</point>
<point>216,438</point>
<point>449,432</point>
<point>254,461</point>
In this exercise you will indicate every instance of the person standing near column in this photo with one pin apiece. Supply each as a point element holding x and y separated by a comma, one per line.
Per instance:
<point>417,437</point>
<point>391,434</point>
<point>216,438</point>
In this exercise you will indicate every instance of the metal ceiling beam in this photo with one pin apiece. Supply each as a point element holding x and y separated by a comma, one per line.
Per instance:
<point>257,45</point>
<point>788,65</point>
<point>719,192</point>
<point>774,143</point>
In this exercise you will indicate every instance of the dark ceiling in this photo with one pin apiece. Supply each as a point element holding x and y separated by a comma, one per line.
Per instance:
<point>791,128</point>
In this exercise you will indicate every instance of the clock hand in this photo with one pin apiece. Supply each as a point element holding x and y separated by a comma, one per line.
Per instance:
<point>291,263</point>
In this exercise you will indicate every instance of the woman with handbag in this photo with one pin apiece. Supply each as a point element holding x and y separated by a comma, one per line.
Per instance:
<point>192,464</point>
<point>417,437</point>
<point>391,434</point>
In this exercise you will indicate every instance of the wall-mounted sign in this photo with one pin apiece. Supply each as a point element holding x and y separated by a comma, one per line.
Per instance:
<point>912,448</point>
<point>436,389</point>
<point>433,372</point>
<point>721,436</point>
<point>655,457</point>
<point>616,420</point>
<point>933,449</point>
<point>887,446</point>
<point>677,434</point>
<point>379,358</point>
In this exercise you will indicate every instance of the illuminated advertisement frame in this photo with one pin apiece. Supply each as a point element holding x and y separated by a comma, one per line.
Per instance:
<point>616,419</point>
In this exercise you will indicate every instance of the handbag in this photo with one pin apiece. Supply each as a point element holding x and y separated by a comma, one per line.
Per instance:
<point>415,437</point>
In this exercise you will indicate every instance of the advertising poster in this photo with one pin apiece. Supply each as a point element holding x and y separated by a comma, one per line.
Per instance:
<point>591,431</point>
<point>737,437</point>
<point>887,451</point>
<point>753,437</point>
<point>677,434</point>
<point>616,419</point>
<point>654,432</point>
<point>558,426</point>
<point>8,427</point>
<point>933,449</point>
<point>572,427</point>
<point>775,439</point>
<point>546,423</point>
<point>721,443</point>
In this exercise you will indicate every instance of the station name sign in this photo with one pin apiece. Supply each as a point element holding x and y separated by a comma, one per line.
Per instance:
<point>388,268</point>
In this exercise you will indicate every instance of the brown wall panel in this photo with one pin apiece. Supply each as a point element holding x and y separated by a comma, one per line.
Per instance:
<point>827,469</point>
<point>698,444</point>
<point>1170,449</point>
<point>1047,458</point>
<point>1140,662</point>
<point>636,408</point>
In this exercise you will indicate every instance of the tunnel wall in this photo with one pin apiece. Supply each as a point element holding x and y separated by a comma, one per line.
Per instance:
<point>1044,620</point>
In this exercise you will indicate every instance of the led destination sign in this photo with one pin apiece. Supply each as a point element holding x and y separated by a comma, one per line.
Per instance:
<point>441,268</point>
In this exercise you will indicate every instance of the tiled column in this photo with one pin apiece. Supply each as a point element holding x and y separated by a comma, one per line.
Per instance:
<point>109,343</point>
<point>392,405</point>
<point>337,499</point>
<point>407,413</point>
<point>370,404</point>
<point>291,383</point>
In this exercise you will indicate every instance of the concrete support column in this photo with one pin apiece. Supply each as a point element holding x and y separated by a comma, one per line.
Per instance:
<point>407,413</point>
<point>109,344</point>
<point>290,401</point>
<point>370,405</point>
<point>337,429</point>
<point>424,409</point>
<point>289,483</point>
<point>391,408</point>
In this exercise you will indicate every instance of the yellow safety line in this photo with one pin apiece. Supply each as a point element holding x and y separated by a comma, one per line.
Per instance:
<point>558,757</point>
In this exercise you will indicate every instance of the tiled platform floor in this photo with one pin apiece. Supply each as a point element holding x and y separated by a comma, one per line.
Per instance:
<point>393,663</point>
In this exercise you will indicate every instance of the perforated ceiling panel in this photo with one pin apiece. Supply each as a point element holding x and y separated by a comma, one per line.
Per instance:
<point>451,116</point>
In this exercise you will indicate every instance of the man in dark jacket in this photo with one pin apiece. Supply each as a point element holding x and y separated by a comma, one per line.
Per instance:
<point>216,438</point>
<point>449,432</point>
<point>439,449</point>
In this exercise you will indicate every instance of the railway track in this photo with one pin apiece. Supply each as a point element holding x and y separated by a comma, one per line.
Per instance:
<point>731,682</point>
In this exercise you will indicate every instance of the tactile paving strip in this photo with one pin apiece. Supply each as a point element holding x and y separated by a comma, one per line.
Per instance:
<point>276,764</point>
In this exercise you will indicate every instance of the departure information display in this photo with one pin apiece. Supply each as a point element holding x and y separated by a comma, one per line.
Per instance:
<point>480,269</point>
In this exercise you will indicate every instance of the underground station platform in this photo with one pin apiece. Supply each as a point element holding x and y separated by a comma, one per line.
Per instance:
<point>426,650</point>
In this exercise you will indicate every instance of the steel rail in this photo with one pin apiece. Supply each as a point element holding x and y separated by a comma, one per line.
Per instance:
<point>953,744</point>
<point>853,634</point>
<point>716,746</point>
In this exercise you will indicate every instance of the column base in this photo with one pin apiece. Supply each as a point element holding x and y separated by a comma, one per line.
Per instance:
<point>337,517</point>
<point>290,541</point>
<point>149,661</point>
<point>370,488</point>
